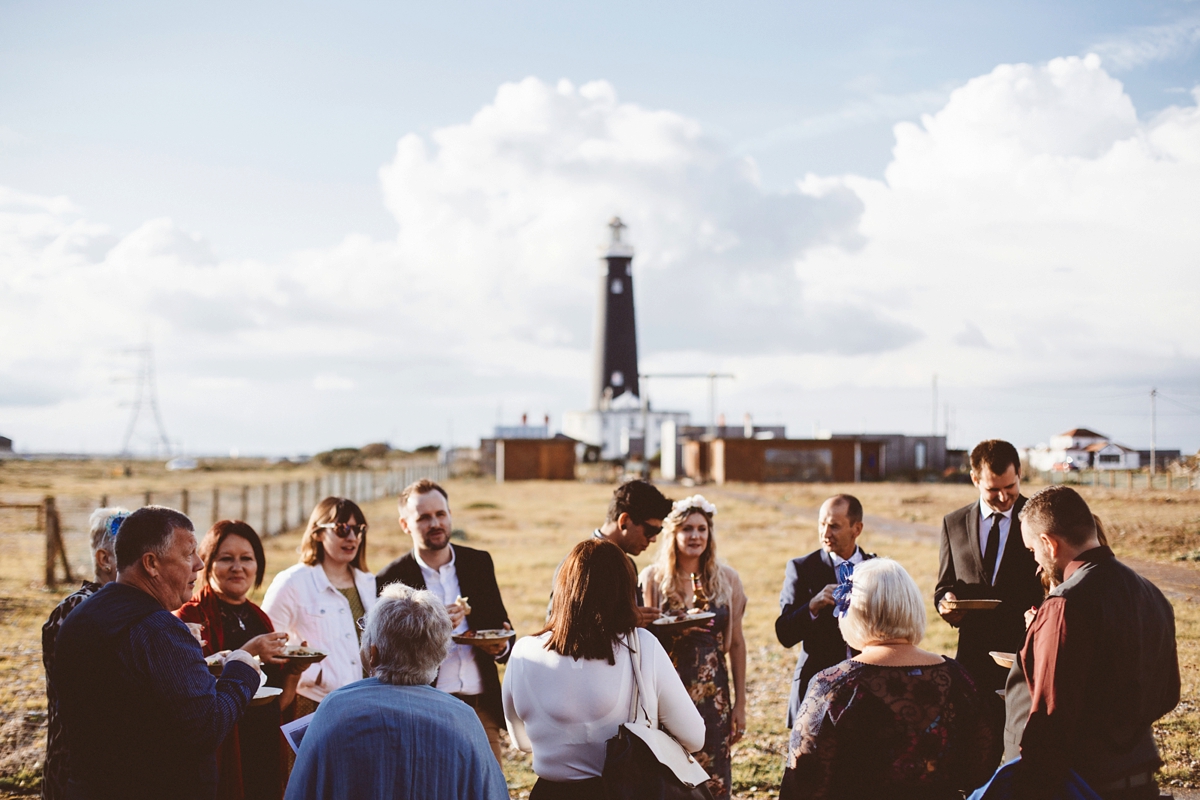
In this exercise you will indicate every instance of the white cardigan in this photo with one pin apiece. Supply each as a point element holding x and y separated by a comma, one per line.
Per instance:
<point>303,602</point>
<point>563,710</point>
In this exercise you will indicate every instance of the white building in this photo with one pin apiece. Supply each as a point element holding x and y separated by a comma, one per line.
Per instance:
<point>617,430</point>
<point>1080,448</point>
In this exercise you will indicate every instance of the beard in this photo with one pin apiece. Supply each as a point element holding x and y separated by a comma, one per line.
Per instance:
<point>1050,574</point>
<point>431,544</point>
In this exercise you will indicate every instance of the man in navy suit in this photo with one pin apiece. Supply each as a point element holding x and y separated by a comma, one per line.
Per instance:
<point>806,602</point>
<point>452,571</point>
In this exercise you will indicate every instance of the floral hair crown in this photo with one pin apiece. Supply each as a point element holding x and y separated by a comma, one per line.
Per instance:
<point>681,507</point>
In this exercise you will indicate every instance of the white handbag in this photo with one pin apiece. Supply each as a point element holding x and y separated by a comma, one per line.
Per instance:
<point>665,747</point>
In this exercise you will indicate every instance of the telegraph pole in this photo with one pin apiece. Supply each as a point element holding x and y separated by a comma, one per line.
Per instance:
<point>933,427</point>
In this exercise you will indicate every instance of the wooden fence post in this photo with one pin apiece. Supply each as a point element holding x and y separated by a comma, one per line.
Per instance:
<point>51,541</point>
<point>149,498</point>
<point>266,509</point>
<point>216,505</point>
<point>184,501</point>
<point>245,503</point>
<point>103,501</point>
<point>55,547</point>
<point>283,506</point>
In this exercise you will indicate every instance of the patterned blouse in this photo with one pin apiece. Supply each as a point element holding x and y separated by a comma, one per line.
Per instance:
<point>890,733</point>
<point>54,779</point>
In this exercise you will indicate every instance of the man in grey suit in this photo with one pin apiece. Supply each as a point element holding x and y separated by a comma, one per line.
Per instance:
<point>806,601</point>
<point>983,557</point>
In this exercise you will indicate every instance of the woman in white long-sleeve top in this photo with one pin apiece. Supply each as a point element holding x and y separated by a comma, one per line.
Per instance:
<point>320,600</point>
<point>568,689</point>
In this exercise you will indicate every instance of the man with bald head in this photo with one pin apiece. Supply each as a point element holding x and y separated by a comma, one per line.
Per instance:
<point>806,601</point>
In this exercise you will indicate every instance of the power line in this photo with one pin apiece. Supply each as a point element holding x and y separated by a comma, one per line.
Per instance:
<point>1181,405</point>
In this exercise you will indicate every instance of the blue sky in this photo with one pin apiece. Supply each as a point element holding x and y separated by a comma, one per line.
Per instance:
<point>266,135</point>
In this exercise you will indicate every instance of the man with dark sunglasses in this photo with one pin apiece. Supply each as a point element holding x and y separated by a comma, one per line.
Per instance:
<point>634,520</point>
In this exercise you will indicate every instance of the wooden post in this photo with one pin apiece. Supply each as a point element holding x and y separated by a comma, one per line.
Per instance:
<point>1129,480</point>
<point>245,503</point>
<point>216,505</point>
<point>56,549</point>
<point>283,506</point>
<point>184,501</point>
<point>103,501</point>
<point>266,509</point>
<point>51,540</point>
<point>149,499</point>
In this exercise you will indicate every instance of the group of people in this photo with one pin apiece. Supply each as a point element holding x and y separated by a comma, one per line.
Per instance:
<point>1065,659</point>
<point>400,708</point>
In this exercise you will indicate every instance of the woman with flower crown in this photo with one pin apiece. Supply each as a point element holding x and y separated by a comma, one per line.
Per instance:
<point>687,576</point>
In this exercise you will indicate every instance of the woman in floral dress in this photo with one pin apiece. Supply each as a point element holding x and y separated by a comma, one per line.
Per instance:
<point>699,653</point>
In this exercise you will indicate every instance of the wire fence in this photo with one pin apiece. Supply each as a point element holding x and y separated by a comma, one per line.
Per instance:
<point>49,535</point>
<point>1130,480</point>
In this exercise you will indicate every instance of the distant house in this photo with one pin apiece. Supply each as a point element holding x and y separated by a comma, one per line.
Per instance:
<point>1081,448</point>
<point>5,445</point>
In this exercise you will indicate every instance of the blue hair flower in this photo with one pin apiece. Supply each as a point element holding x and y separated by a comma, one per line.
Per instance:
<point>114,524</point>
<point>841,593</point>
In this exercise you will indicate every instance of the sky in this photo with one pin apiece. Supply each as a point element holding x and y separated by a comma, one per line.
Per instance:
<point>338,224</point>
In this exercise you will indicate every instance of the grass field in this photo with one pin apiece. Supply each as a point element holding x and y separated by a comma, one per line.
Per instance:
<point>529,527</point>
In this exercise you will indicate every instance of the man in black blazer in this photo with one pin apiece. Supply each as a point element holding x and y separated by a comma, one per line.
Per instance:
<point>806,602</point>
<point>450,572</point>
<point>983,558</point>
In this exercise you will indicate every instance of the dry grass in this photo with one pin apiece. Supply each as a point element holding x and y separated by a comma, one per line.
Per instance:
<point>529,527</point>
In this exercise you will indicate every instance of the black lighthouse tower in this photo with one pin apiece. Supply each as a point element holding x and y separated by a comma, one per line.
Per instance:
<point>616,369</point>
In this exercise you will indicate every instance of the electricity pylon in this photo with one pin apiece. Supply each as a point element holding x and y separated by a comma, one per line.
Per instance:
<point>146,397</point>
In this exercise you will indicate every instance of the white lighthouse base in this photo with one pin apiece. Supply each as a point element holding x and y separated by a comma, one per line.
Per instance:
<point>612,431</point>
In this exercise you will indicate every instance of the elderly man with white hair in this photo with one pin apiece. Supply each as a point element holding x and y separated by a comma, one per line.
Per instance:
<point>103,525</point>
<point>393,735</point>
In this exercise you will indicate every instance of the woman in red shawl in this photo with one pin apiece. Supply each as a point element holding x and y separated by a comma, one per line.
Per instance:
<point>250,759</point>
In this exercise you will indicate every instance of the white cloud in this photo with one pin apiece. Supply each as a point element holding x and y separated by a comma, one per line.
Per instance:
<point>332,382</point>
<point>1039,209</point>
<point>1025,231</point>
<point>1146,45</point>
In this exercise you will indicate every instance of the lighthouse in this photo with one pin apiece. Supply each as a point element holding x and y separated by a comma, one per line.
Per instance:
<point>620,421</point>
<point>615,342</point>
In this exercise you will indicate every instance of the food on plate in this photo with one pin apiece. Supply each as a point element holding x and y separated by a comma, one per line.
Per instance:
<point>462,603</point>
<point>301,651</point>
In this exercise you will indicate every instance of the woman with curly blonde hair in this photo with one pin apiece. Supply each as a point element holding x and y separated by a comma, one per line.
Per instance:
<point>689,548</point>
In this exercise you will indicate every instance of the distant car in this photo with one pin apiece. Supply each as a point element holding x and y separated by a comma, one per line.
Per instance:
<point>182,463</point>
<point>1065,466</point>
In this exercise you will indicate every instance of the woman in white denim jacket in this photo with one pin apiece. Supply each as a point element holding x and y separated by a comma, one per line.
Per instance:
<point>320,600</point>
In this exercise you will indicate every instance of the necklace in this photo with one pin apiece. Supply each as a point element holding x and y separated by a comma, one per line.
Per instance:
<point>236,613</point>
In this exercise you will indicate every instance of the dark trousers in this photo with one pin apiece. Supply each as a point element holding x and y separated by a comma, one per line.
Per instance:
<point>590,789</point>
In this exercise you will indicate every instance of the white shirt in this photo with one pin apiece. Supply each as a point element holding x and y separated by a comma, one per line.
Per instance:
<point>985,528</point>
<point>303,602</point>
<point>459,674</point>
<point>855,558</point>
<point>563,711</point>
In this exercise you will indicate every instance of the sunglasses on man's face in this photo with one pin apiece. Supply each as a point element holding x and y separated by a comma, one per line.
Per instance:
<point>651,531</point>
<point>345,530</point>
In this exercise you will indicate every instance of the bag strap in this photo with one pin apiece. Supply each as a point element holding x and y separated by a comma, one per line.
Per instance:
<point>635,658</point>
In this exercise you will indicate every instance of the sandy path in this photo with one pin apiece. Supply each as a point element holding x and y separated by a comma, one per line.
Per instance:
<point>1175,580</point>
